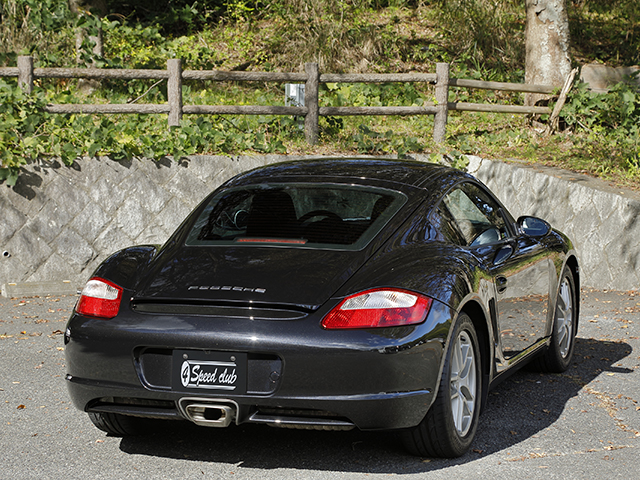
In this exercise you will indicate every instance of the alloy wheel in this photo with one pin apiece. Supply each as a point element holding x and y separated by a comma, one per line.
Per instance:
<point>564,318</point>
<point>463,383</point>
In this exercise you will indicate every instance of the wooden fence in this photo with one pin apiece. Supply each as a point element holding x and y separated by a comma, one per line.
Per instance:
<point>174,108</point>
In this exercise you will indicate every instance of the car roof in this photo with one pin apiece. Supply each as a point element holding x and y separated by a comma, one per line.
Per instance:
<point>391,172</point>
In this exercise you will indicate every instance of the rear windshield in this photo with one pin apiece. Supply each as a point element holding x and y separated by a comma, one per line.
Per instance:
<point>306,215</point>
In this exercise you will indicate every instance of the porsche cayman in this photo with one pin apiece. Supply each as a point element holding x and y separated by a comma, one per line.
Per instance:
<point>382,295</point>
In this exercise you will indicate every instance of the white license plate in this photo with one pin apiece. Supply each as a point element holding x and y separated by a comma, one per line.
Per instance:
<point>212,371</point>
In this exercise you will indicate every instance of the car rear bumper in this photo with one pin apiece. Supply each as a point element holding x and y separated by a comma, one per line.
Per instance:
<point>371,379</point>
<point>383,411</point>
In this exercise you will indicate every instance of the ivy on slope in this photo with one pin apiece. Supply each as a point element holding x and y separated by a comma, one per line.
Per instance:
<point>28,133</point>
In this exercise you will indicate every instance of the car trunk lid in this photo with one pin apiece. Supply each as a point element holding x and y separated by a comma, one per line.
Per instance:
<point>249,275</point>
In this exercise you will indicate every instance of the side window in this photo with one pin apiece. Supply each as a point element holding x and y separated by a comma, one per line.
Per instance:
<point>476,215</point>
<point>446,225</point>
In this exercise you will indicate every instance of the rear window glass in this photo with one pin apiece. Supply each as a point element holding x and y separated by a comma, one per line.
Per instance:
<point>306,215</point>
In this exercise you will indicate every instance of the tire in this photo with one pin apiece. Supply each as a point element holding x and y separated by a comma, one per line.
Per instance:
<point>450,424</point>
<point>120,425</point>
<point>558,355</point>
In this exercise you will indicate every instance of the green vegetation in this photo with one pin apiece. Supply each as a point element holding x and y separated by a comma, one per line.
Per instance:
<point>481,39</point>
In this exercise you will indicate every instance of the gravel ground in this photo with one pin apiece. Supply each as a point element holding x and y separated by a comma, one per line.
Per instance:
<point>584,423</point>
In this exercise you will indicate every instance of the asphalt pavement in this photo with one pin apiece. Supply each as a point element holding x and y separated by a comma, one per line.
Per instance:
<point>583,424</point>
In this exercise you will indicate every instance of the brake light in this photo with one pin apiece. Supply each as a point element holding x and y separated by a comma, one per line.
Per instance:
<point>100,298</point>
<point>382,307</point>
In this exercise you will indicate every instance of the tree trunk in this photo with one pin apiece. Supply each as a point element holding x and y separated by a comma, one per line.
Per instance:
<point>84,7</point>
<point>547,59</point>
<point>88,7</point>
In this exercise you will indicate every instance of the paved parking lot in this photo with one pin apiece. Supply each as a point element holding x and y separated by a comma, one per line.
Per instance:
<point>581,424</point>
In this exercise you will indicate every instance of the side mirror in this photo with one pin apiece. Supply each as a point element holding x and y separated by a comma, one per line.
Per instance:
<point>533,226</point>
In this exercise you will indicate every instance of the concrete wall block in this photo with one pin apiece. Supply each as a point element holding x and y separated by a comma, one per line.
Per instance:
<point>67,195</point>
<point>624,266</point>
<point>107,195</point>
<point>580,200</point>
<point>46,169</point>
<point>538,194</point>
<point>72,173</point>
<point>12,219</point>
<point>172,215</point>
<point>593,262</point>
<point>13,270</point>
<point>519,179</point>
<point>607,204</point>
<point>558,197</point>
<point>50,221</point>
<point>121,167</point>
<point>73,248</point>
<point>112,239</point>
<point>600,272</point>
<point>152,235</point>
<point>56,267</point>
<point>524,199</point>
<point>207,168</point>
<point>26,195</point>
<point>629,211</point>
<point>29,249</point>
<point>101,168</point>
<point>150,195</point>
<point>188,187</point>
<point>132,217</point>
<point>246,162</point>
<point>90,222</point>
<point>86,171</point>
<point>500,178</point>
<point>161,170</point>
<point>610,231</point>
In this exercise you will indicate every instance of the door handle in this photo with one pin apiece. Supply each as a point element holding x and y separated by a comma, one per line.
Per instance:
<point>501,283</point>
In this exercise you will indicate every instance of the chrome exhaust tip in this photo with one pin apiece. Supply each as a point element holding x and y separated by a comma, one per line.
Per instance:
<point>205,413</point>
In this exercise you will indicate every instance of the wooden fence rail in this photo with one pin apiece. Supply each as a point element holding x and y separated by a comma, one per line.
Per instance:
<point>174,108</point>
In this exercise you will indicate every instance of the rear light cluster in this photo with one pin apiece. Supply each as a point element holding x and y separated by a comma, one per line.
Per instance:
<point>382,307</point>
<point>100,298</point>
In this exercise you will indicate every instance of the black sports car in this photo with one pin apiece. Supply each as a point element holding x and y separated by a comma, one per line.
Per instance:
<point>327,294</point>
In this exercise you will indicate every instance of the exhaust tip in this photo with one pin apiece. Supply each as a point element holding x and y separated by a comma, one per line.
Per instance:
<point>208,414</point>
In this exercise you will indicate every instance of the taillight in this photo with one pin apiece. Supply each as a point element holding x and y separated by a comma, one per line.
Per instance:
<point>381,307</point>
<point>100,298</point>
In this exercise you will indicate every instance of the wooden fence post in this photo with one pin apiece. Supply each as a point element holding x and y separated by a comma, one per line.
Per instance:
<point>25,73</point>
<point>311,127</point>
<point>174,91</point>
<point>442,102</point>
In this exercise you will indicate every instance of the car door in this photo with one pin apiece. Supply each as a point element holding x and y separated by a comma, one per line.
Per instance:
<point>518,267</point>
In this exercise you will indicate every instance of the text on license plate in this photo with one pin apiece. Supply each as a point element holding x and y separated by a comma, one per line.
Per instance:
<point>210,371</point>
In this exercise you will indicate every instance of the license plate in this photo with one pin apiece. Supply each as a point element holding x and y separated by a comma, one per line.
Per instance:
<point>212,371</point>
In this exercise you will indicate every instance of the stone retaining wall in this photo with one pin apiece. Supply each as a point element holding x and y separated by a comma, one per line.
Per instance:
<point>58,222</point>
